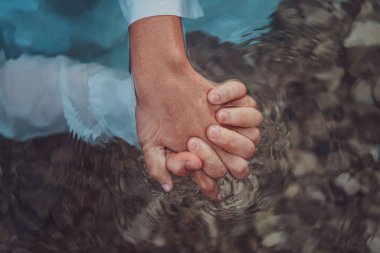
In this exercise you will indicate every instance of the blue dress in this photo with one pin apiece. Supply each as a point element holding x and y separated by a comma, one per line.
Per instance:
<point>83,46</point>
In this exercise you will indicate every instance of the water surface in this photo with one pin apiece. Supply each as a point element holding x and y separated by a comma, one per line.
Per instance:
<point>314,183</point>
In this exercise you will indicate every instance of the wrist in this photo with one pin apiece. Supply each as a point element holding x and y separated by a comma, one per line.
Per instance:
<point>162,81</point>
<point>158,55</point>
<point>170,62</point>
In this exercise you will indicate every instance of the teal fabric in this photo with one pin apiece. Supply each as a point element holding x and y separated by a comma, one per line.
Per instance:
<point>86,30</point>
<point>96,30</point>
<point>87,48</point>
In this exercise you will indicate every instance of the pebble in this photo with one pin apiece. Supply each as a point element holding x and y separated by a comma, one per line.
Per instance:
<point>373,244</point>
<point>274,239</point>
<point>304,162</point>
<point>326,100</point>
<point>315,194</point>
<point>362,92</point>
<point>349,184</point>
<point>304,192</point>
<point>315,126</point>
<point>265,222</point>
<point>364,34</point>
<point>332,78</point>
<point>366,10</point>
<point>317,16</point>
<point>292,190</point>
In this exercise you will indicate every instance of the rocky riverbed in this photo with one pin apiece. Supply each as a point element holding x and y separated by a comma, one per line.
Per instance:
<point>315,179</point>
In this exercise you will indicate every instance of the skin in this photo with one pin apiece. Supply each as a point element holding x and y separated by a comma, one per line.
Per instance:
<point>236,117</point>
<point>186,123</point>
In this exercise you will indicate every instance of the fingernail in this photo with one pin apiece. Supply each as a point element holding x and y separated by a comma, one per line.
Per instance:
<point>166,187</point>
<point>223,116</point>
<point>215,98</point>
<point>193,146</point>
<point>214,132</point>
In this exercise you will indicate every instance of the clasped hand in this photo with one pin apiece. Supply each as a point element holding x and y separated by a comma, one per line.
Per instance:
<point>185,123</point>
<point>197,127</point>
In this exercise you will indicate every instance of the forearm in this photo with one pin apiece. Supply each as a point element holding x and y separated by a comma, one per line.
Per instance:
<point>157,47</point>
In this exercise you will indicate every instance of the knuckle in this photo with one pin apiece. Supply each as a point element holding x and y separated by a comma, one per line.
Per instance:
<point>230,143</point>
<point>251,150</point>
<point>181,173</point>
<point>257,137</point>
<point>222,172</point>
<point>176,170</point>
<point>241,171</point>
<point>241,86</point>
<point>154,173</point>
<point>219,116</point>
<point>252,102</point>
<point>259,118</point>
<point>208,187</point>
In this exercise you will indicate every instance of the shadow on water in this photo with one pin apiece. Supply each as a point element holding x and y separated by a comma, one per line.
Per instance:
<point>315,179</point>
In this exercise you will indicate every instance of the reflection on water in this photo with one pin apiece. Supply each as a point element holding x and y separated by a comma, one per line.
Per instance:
<point>314,183</point>
<point>229,20</point>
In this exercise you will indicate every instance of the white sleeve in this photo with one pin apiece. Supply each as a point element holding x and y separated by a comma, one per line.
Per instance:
<point>40,96</point>
<point>134,10</point>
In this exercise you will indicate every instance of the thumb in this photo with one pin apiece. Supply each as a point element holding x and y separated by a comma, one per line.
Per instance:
<point>156,165</point>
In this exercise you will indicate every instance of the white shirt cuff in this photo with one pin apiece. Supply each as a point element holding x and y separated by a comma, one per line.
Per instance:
<point>134,10</point>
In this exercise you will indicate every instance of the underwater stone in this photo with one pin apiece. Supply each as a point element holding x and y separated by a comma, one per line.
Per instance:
<point>290,203</point>
<point>265,222</point>
<point>274,239</point>
<point>349,184</point>
<point>303,162</point>
<point>367,9</point>
<point>373,244</point>
<point>364,34</point>
<point>362,92</point>
<point>316,16</point>
<point>315,126</point>
<point>326,101</point>
<point>315,194</point>
<point>292,190</point>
